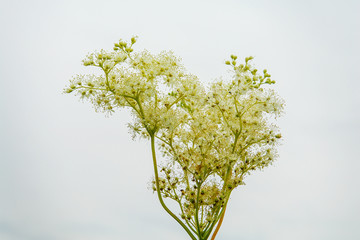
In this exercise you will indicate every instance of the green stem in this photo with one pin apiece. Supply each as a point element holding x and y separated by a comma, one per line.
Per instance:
<point>197,209</point>
<point>218,217</point>
<point>211,226</point>
<point>219,224</point>
<point>158,189</point>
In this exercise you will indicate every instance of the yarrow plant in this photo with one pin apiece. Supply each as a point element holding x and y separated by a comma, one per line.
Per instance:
<point>210,138</point>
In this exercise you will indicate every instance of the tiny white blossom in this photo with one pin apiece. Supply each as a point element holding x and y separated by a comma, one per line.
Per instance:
<point>210,139</point>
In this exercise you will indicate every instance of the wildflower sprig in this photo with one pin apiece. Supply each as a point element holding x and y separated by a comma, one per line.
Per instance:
<point>210,138</point>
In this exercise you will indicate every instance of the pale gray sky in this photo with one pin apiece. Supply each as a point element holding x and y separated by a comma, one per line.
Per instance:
<point>68,173</point>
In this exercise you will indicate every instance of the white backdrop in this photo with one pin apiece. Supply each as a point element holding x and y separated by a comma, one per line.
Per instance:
<point>68,173</point>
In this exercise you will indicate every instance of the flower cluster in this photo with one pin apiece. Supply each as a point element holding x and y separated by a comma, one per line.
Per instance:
<point>210,138</point>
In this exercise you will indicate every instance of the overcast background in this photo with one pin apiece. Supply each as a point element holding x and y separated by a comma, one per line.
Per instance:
<point>68,173</point>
